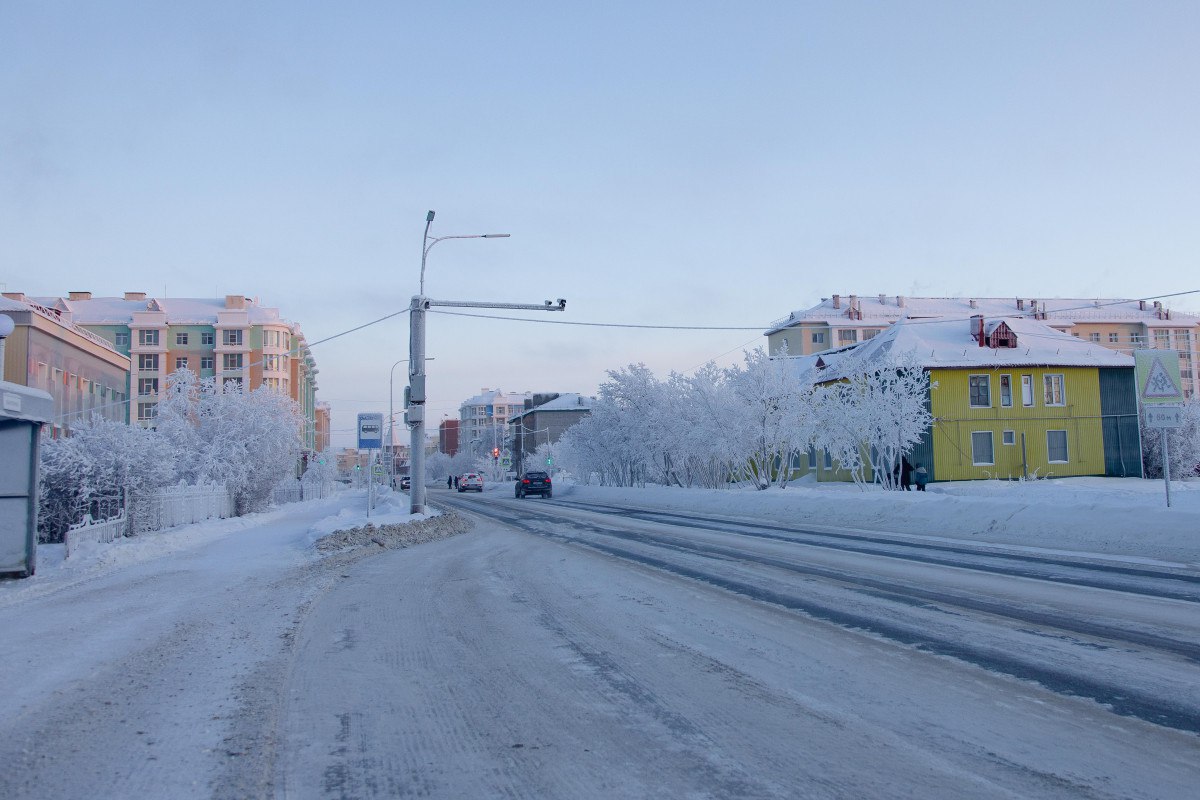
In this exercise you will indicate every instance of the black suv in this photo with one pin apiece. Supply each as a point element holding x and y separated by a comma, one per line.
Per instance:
<point>534,483</point>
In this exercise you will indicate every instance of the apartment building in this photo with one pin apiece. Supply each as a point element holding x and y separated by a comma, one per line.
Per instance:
<point>483,419</point>
<point>544,420</point>
<point>1121,325</point>
<point>83,373</point>
<point>232,339</point>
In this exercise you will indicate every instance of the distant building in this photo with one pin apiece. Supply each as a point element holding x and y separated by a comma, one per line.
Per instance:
<point>545,418</point>
<point>82,372</point>
<point>448,436</point>
<point>231,339</point>
<point>321,420</point>
<point>484,419</point>
<point>1121,325</point>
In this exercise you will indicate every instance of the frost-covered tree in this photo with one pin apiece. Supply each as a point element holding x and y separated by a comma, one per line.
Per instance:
<point>1183,445</point>
<point>100,459</point>
<point>874,413</point>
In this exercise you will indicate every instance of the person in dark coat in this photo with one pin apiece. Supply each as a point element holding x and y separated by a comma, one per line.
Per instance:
<point>921,475</point>
<point>905,475</point>
<point>449,481</point>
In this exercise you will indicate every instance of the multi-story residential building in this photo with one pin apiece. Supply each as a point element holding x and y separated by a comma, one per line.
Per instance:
<point>545,418</point>
<point>484,418</point>
<point>321,420</point>
<point>1010,398</point>
<point>231,339</point>
<point>84,373</point>
<point>1121,325</point>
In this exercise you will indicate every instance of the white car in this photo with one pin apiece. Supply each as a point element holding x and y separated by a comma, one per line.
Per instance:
<point>470,482</point>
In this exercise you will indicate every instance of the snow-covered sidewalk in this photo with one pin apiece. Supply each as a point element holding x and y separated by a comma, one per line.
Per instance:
<point>1123,517</point>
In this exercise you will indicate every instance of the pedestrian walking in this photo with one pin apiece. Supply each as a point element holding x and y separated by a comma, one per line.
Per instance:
<point>921,475</point>
<point>455,481</point>
<point>905,475</point>
<point>449,481</point>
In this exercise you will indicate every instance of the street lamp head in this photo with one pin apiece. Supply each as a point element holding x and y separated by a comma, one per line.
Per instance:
<point>429,217</point>
<point>495,236</point>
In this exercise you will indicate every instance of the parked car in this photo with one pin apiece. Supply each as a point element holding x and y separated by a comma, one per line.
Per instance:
<point>470,482</point>
<point>405,483</point>
<point>534,483</point>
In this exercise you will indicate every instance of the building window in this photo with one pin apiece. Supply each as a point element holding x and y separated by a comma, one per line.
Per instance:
<point>1056,447</point>
<point>869,333</point>
<point>1113,338</point>
<point>207,338</point>
<point>1008,437</point>
<point>147,338</point>
<point>121,338</point>
<point>181,338</point>
<point>147,411</point>
<point>1162,340</point>
<point>207,362</point>
<point>147,387</point>
<point>1006,391</point>
<point>181,363</point>
<point>981,449</point>
<point>818,337</point>
<point>148,362</point>
<point>1055,391</point>
<point>1094,337</point>
<point>231,338</point>
<point>847,336</point>
<point>1137,340</point>
<point>233,383</point>
<point>981,395</point>
<point>1027,391</point>
<point>231,361</point>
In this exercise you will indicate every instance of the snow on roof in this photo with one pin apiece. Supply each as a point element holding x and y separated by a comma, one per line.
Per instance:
<point>1059,309</point>
<point>949,343</point>
<point>564,402</point>
<point>178,310</point>
<point>490,396</point>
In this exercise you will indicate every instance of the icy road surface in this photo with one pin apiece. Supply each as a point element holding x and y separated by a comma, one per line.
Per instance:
<point>561,649</point>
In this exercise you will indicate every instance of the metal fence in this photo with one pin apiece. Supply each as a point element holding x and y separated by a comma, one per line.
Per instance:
<point>108,518</point>
<point>296,491</point>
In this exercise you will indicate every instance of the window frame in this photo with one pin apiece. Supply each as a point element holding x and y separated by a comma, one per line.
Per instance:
<point>147,337</point>
<point>212,363</point>
<point>1027,397</point>
<point>1049,381</point>
<point>991,438</point>
<point>1008,438</point>
<point>971,393</point>
<point>818,337</point>
<point>181,339</point>
<point>208,338</point>
<point>1006,395</point>
<point>1065,447</point>
<point>121,338</point>
<point>181,362</point>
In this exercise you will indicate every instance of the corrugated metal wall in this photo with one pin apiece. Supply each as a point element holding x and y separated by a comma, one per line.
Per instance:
<point>1118,406</point>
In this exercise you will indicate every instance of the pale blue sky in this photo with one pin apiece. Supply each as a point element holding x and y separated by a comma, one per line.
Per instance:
<point>669,162</point>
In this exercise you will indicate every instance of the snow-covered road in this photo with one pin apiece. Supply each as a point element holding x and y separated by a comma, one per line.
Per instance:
<point>559,649</point>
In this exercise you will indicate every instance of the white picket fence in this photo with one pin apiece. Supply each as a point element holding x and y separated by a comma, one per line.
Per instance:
<point>153,511</point>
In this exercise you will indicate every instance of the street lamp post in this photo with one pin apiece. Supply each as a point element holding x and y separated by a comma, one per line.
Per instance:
<point>416,363</point>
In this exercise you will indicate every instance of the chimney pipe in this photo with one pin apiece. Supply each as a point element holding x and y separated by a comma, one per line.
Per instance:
<point>974,303</point>
<point>135,296</point>
<point>1141,305</point>
<point>837,301</point>
<point>79,295</point>
<point>1020,304</point>
<point>882,302</point>
<point>977,329</point>
<point>900,301</point>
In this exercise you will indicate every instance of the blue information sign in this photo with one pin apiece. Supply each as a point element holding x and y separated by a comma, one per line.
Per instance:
<point>370,431</point>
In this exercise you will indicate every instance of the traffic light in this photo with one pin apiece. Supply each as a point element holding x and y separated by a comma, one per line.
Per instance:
<point>549,461</point>
<point>495,452</point>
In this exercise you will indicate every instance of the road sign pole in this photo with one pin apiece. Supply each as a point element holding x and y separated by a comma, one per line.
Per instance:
<point>1166,466</point>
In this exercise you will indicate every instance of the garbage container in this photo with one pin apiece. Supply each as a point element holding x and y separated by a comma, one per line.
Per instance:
<point>22,412</point>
